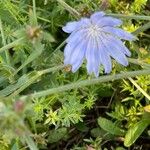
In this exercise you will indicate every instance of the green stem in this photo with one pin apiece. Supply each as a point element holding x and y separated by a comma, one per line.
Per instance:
<point>83,83</point>
<point>139,88</point>
<point>69,8</point>
<point>26,84</point>
<point>34,11</point>
<point>11,45</point>
<point>4,43</point>
<point>142,28</point>
<point>34,78</point>
<point>57,48</point>
<point>60,46</point>
<point>138,62</point>
<point>57,68</point>
<point>136,17</point>
<point>78,15</point>
<point>53,69</point>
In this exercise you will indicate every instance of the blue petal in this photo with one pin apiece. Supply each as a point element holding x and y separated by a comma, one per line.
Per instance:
<point>112,49</point>
<point>76,36</point>
<point>74,42</point>
<point>88,56</point>
<point>67,53</point>
<point>71,26</point>
<point>109,21</point>
<point>78,51</point>
<point>77,65</point>
<point>121,46</point>
<point>97,16</point>
<point>71,48</point>
<point>78,56</point>
<point>119,33</point>
<point>93,60</point>
<point>104,57</point>
<point>84,22</point>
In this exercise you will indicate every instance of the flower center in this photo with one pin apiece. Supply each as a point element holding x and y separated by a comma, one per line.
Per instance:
<point>93,30</point>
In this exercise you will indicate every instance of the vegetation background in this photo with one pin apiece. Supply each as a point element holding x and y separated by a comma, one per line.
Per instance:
<point>45,106</point>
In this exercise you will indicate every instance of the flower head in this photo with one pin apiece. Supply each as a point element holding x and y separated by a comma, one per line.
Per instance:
<point>96,39</point>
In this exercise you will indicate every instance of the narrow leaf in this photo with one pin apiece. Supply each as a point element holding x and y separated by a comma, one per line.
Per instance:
<point>56,135</point>
<point>31,144</point>
<point>23,81</point>
<point>134,132</point>
<point>37,52</point>
<point>48,37</point>
<point>110,127</point>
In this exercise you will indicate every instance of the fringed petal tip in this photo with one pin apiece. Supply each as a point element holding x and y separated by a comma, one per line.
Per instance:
<point>97,16</point>
<point>70,27</point>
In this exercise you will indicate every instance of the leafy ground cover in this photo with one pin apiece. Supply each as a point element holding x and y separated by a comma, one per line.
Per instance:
<point>45,106</point>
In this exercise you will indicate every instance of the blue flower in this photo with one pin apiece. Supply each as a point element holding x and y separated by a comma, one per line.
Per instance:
<point>96,39</point>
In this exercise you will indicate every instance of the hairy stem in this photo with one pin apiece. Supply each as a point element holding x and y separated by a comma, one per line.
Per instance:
<point>69,8</point>
<point>34,12</point>
<point>89,82</point>
<point>53,69</point>
<point>142,28</point>
<point>138,62</point>
<point>34,79</point>
<point>136,17</point>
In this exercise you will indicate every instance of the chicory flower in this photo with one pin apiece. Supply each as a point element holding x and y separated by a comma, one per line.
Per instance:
<point>96,39</point>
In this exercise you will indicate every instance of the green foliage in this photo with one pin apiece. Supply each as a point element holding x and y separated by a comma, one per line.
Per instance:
<point>81,118</point>
<point>56,135</point>
<point>137,5</point>
<point>110,127</point>
<point>135,131</point>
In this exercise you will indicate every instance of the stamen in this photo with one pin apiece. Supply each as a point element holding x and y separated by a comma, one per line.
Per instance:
<point>93,30</point>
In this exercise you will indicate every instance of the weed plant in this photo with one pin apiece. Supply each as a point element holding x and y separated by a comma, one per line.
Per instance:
<point>44,106</point>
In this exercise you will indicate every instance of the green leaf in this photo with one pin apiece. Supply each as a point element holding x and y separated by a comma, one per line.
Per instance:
<point>105,90</point>
<point>31,144</point>
<point>5,70</point>
<point>32,17</point>
<point>37,52</point>
<point>11,88</point>
<point>81,126</point>
<point>12,44</point>
<point>15,146</point>
<point>97,132</point>
<point>56,135</point>
<point>48,37</point>
<point>22,83</point>
<point>120,148</point>
<point>135,131</point>
<point>110,127</point>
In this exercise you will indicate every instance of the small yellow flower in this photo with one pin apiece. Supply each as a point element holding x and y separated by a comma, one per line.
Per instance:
<point>52,117</point>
